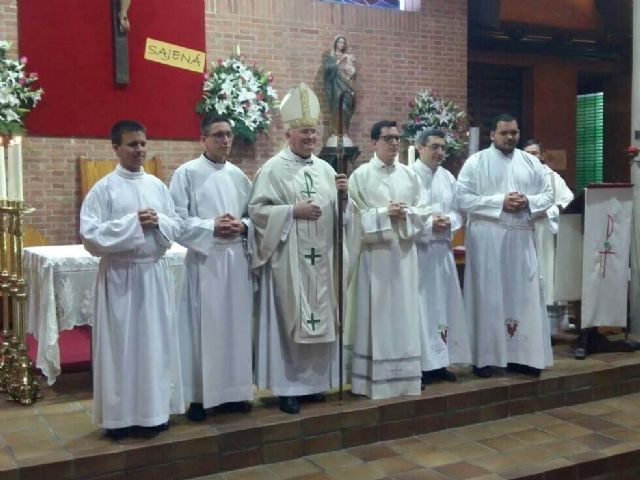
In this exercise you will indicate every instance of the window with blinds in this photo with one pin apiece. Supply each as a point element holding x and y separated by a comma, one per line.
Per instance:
<point>589,134</point>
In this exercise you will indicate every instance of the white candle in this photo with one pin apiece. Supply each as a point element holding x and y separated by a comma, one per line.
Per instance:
<point>3,176</point>
<point>14,170</point>
<point>411,155</point>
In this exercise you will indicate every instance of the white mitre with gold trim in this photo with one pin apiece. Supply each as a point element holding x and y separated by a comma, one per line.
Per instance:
<point>300,108</point>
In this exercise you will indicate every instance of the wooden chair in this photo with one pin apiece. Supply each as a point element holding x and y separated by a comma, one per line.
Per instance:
<point>93,170</point>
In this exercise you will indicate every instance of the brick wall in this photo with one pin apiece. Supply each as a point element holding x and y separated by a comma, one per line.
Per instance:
<point>397,53</point>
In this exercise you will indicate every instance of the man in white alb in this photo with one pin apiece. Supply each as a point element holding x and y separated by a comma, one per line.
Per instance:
<point>546,230</point>
<point>382,310</point>
<point>215,312</point>
<point>129,221</point>
<point>503,190</point>
<point>444,336</point>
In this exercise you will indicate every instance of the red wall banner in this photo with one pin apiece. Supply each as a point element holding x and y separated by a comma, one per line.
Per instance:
<point>69,43</point>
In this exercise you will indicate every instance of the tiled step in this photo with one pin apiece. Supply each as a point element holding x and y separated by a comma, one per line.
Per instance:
<point>596,440</point>
<point>55,437</point>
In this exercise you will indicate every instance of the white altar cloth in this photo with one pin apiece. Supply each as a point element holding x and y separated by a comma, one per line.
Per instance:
<point>60,288</point>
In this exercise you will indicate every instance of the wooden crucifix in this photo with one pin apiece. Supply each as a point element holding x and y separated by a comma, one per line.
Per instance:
<point>120,22</point>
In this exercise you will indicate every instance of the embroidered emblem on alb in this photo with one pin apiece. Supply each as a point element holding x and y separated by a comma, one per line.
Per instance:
<point>512,326</point>
<point>443,330</point>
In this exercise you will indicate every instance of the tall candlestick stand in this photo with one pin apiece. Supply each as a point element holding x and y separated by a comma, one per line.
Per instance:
<point>23,386</point>
<point>7,356</point>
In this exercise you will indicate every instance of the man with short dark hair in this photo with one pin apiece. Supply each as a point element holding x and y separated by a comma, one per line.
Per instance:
<point>128,220</point>
<point>382,308</point>
<point>503,190</point>
<point>444,336</point>
<point>211,195</point>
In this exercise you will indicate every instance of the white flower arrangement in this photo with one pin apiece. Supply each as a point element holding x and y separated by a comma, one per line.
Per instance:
<point>429,110</point>
<point>17,95</point>
<point>244,94</point>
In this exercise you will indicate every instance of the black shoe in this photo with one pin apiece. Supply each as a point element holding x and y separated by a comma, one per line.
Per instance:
<point>524,369</point>
<point>289,405</point>
<point>483,372</point>
<point>514,367</point>
<point>117,433</point>
<point>530,371</point>
<point>314,397</point>
<point>237,407</point>
<point>446,375</point>
<point>163,427</point>
<point>196,412</point>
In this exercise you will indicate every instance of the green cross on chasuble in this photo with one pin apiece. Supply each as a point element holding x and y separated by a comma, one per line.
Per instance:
<point>308,185</point>
<point>312,255</point>
<point>312,321</point>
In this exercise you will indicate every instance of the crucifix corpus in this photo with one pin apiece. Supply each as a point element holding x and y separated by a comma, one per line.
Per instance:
<point>120,22</point>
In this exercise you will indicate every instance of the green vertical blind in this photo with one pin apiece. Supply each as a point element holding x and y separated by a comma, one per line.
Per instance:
<point>589,134</point>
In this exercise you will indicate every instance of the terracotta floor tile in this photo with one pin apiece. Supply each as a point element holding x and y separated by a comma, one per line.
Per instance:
<point>422,474</point>
<point>622,418</point>
<point>565,413</point>
<point>432,457</point>
<point>623,434</point>
<point>490,476</point>
<point>61,419</point>
<point>594,423</point>
<point>368,453</point>
<point>565,448</point>
<point>314,476</point>
<point>567,430</point>
<point>293,468</point>
<point>29,437</point>
<point>395,465</point>
<point>594,408</point>
<point>470,450</point>
<point>496,463</point>
<point>405,445</point>
<point>261,472</point>
<point>357,472</point>
<point>333,460</point>
<point>21,423</point>
<point>55,408</point>
<point>533,436</point>
<point>532,455</point>
<point>508,425</point>
<point>540,420</point>
<point>502,443</point>
<point>462,471</point>
<point>442,439</point>
<point>620,448</point>
<point>477,432</point>
<point>596,441</point>
<point>40,449</point>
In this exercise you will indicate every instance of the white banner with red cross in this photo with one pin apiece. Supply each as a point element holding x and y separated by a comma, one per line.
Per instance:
<point>605,262</point>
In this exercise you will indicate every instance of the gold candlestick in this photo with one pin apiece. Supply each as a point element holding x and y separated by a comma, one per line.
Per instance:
<point>24,386</point>
<point>6,354</point>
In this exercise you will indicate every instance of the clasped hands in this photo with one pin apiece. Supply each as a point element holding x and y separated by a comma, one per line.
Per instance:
<point>307,210</point>
<point>397,210</point>
<point>228,226</point>
<point>515,202</point>
<point>441,223</point>
<point>148,218</point>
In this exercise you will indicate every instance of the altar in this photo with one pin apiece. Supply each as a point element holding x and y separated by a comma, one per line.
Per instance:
<point>60,289</point>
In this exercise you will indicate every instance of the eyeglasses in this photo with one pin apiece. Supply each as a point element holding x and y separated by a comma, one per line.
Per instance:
<point>390,138</point>
<point>220,135</point>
